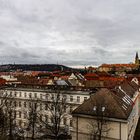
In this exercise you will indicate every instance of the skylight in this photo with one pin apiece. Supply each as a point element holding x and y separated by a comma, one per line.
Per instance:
<point>94,108</point>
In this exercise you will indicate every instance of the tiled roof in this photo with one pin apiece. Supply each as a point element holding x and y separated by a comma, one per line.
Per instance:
<point>56,75</point>
<point>43,81</point>
<point>91,75</point>
<point>119,65</point>
<point>128,87</point>
<point>105,102</point>
<point>103,73</point>
<point>111,78</point>
<point>64,77</point>
<point>2,81</point>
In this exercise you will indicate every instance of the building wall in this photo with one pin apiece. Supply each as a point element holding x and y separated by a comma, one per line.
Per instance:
<point>133,118</point>
<point>23,98</point>
<point>114,130</point>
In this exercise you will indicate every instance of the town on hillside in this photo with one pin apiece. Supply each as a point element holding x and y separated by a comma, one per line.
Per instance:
<point>62,103</point>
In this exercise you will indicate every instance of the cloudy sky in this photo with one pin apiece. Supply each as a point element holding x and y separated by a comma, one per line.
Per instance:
<point>69,32</point>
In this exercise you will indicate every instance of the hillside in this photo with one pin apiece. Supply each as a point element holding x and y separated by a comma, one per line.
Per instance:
<point>35,67</point>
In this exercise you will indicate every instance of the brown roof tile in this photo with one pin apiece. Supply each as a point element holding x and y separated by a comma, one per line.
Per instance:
<point>114,106</point>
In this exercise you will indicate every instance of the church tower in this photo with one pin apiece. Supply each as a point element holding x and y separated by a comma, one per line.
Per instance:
<point>137,59</point>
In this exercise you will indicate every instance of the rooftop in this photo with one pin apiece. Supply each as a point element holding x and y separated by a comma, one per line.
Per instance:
<point>105,103</point>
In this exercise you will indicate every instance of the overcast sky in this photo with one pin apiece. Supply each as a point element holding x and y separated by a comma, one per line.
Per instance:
<point>69,32</point>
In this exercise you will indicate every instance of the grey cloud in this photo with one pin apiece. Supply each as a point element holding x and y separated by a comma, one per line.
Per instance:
<point>81,32</point>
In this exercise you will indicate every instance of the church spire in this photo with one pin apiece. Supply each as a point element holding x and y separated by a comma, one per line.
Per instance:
<point>137,58</point>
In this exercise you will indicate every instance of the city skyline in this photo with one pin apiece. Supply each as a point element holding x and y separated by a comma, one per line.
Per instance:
<point>73,33</point>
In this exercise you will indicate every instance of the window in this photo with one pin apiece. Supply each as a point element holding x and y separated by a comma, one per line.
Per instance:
<point>65,121</point>
<point>103,109</point>
<point>30,95</point>
<point>25,115</point>
<point>46,96</point>
<point>58,97</point>
<point>52,120</point>
<point>15,103</point>
<point>25,104</point>
<point>46,118</point>
<point>52,107</point>
<point>20,123</point>
<point>40,96</point>
<point>30,105</point>
<point>41,118</point>
<point>10,93</point>
<point>24,124</point>
<point>40,106</point>
<point>19,104</point>
<point>94,108</point>
<point>85,98</point>
<point>64,97</point>
<point>71,109</point>
<point>71,98</point>
<point>19,113</point>
<point>15,94</point>
<point>25,94</point>
<point>35,105</point>
<point>46,106</point>
<point>71,124</point>
<point>40,126</point>
<point>58,108</point>
<point>52,97</point>
<point>64,108</point>
<point>19,94</point>
<point>10,103</point>
<point>78,99</point>
<point>35,95</point>
<point>15,113</point>
<point>1,102</point>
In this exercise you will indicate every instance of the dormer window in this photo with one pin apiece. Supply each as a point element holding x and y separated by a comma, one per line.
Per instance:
<point>94,108</point>
<point>135,80</point>
<point>103,109</point>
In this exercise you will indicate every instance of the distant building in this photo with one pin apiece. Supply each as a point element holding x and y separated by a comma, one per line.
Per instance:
<point>117,67</point>
<point>10,79</point>
<point>137,60</point>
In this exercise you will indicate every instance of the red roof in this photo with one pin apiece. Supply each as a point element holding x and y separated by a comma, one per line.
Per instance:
<point>64,77</point>
<point>111,78</point>
<point>91,76</point>
<point>119,65</point>
<point>2,81</point>
<point>92,68</point>
<point>35,73</point>
<point>43,81</point>
<point>56,75</point>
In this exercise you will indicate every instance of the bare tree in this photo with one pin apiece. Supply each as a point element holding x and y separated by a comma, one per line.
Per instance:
<point>36,125</point>
<point>33,120</point>
<point>8,125</point>
<point>98,126</point>
<point>57,106</point>
<point>3,117</point>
